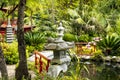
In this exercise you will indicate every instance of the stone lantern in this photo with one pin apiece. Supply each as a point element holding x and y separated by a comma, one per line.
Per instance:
<point>9,33</point>
<point>59,47</point>
<point>61,59</point>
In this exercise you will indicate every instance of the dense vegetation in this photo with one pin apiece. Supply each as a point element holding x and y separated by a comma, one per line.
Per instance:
<point>83,21</point>
<point>92,17</point>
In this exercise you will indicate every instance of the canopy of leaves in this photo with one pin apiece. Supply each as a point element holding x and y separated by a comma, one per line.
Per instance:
<point>46,14</point>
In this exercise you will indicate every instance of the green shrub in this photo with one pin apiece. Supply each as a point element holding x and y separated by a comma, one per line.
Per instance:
<point>98,56</point>
<point>98,52</point>
<point>69,37</point>
<point>30,49</point>
<point>83,38</point>
<point>50,34</point>
<point>31,65</point>
<point>10,52</point>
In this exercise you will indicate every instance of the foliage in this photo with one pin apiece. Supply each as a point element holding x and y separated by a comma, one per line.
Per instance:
<point>10,52</point>
<point>110,45</point>
<point>98,56</point>
<point>69,37</point>
<point>108,70</point>
<point>46,13</point>
<point>50,34</point>
<point>74,71</point>
<point>1,14</point>
<point>72,37</point>
<point>39,76</point>
<point>109,29</point>
<point>31,65</point>
<point>117,30</point>
<point>98,52</point>
<point>62,7</point>
<point>30,49</point>
<point>83,38</point>
<point>77,25</point>
<point>35,40</point>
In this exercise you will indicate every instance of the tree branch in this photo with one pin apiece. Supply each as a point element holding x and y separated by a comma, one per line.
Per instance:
<point>12,10</point>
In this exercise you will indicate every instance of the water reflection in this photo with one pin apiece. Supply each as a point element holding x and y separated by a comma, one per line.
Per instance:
<point>101,71</point>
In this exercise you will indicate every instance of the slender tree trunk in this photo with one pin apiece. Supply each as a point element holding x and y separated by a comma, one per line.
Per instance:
<point>21,70</point>
<point>3,67</point>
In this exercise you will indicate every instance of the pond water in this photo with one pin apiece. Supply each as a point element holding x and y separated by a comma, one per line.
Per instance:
<point>101,71</point>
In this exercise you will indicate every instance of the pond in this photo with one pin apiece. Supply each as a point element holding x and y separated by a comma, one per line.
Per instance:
<point>101,71</point>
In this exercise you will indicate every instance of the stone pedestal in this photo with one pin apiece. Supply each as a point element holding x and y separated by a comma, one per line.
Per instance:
<point>54,70</point>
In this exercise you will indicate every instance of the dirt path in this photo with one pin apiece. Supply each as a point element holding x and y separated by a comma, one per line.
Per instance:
<point>11,71</point>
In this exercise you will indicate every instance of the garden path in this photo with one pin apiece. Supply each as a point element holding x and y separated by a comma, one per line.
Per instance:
<point>11,71</point>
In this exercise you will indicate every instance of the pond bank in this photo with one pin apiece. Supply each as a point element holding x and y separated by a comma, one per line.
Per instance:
<point>113,59</point>
<point>101,70</point>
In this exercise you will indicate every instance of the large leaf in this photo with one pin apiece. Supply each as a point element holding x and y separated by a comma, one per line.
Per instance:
<point>109,28</point>
<point>110,43</point>
<point>80,21</point>
<point>34,38</point>
<point>73,13</point>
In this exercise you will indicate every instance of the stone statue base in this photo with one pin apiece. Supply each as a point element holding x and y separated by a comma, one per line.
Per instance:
<point>55,70</point>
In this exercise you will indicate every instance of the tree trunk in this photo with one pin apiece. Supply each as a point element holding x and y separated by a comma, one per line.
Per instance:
<point>21,70</point>
<point>3,67</point>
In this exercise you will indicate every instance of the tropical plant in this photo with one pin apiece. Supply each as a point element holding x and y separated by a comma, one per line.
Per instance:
<point>34,38</point>
<point>110,45</point>
<point>34,41</point>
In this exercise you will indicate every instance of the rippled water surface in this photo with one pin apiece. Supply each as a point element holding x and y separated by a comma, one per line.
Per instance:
<point>101,71</point>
